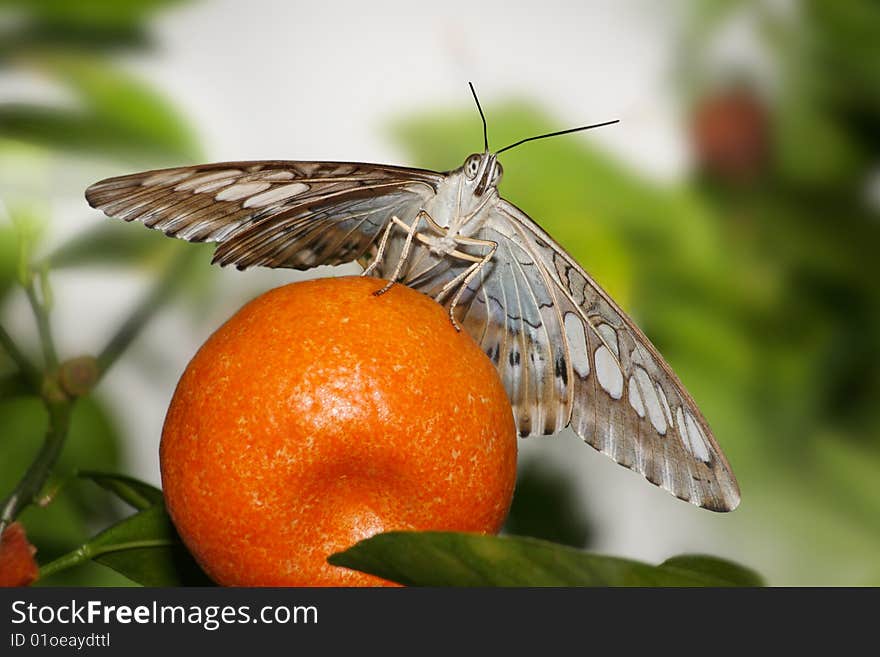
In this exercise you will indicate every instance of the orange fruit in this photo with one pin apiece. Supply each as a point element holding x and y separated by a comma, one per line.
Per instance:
<point>17,565</point>
<point>319,415</point>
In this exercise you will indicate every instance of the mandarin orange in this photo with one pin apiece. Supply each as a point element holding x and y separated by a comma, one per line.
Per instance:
<point>319,415</point>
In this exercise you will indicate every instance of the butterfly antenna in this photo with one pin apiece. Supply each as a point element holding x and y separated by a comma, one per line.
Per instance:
<point>482,116</point>
<point>555,134</point>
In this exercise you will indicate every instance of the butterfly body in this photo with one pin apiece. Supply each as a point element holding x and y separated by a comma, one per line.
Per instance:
<point>567,354</point>
<point>461,203</point>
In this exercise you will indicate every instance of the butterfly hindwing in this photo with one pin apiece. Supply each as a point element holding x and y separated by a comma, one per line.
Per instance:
<point>626,401</point>
<point>509,311</point>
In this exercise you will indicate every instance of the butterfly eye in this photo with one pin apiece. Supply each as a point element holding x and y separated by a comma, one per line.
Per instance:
<point>472,166</point>
<point>496,176</point>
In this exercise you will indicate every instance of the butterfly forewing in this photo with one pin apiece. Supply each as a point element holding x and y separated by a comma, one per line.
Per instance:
<point>274,213</point>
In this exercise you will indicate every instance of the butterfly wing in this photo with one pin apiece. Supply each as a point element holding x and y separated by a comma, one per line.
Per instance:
<point>568,355</point>
<point>508,309</point>
<point>273,213</point>
<point>624,399</point>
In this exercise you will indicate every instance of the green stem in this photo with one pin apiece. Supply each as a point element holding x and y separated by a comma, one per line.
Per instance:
<point>25,366</point>
<point>130,329</point>
<point>27,490</point>
<point>41,313</point>
<point>88,552</point>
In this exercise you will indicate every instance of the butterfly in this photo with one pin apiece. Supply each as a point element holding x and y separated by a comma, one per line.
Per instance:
<point>565,351</point>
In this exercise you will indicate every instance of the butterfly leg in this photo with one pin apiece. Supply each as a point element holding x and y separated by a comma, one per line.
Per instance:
<point>465,277</point>
<point>407,245</point>
<point>380,252</point>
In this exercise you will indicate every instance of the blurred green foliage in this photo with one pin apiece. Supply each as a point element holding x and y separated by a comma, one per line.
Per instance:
<point>95,25</point>
<point>763,294</point>
<point>114,115</point>
<point>75,512</point>
<point>102,113</point>
<point>545,506</point>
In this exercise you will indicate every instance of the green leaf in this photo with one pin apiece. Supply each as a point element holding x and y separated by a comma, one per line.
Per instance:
<point>96,16</point>
<point>81,132</point>
<point>732,573</point>
<point>84,25</point>
<point>139,494</point>
<point>144,547</point>
<point>460,559</point>
<point>124,103</point>
<point>165,562</point>
<point>117,114</point>
<point>42,36</point>
<point>112,243</point>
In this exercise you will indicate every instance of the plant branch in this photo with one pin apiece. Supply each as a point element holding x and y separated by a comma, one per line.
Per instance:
<point>161,292</point>
<point>25,366</point>
<point>59,400</point>
<point>41,313</point>
<point>28,489</point>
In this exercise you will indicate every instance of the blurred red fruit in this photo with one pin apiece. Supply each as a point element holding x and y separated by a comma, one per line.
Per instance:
<point>17,565</point>
<point>730,134</point>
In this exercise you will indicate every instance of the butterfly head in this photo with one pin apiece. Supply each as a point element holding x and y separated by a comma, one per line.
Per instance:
<point>482,172</point>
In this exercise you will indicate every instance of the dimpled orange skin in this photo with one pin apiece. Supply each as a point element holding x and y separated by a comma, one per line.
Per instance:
<point>319,415</point>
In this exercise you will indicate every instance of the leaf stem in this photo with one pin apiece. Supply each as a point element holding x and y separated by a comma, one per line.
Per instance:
<point>28,489</point>
<point>41,313</point>
<point>25,366</point>
<point>88,552</point>
<point>144,311</point>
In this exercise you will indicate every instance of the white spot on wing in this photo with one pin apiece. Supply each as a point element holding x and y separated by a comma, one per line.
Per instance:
<point>239,191</point>
<point>665,403</point>
<point>610,336</point>
<point>635,397</point>
<point>166,178</point>
<point>308,257</point>
<point>280,193</point>
<point>652,402</point>
<point>609,374</point>
<point>695,436</point>
<point>682,430</point>
<point>577,344</point>
<point>192,183</point>
<point>214,185</point>
<point>274,176</point>
<point>307,168</point>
